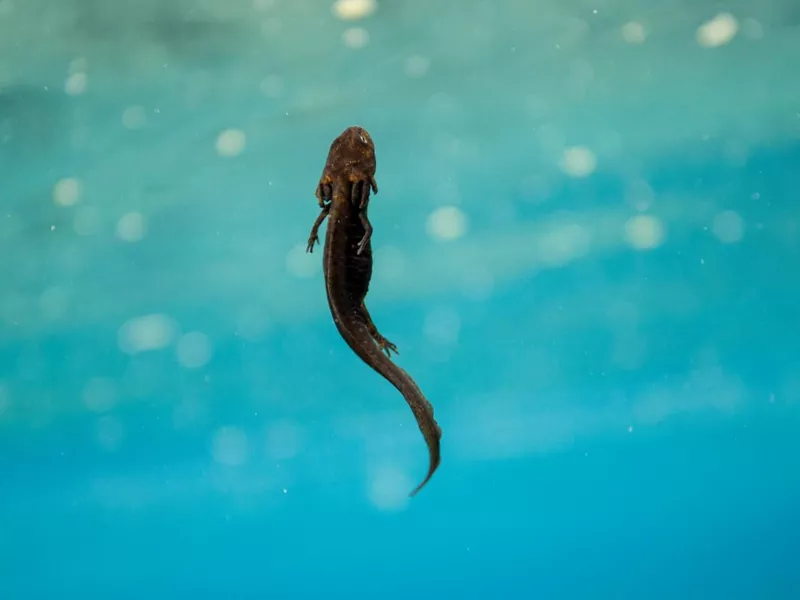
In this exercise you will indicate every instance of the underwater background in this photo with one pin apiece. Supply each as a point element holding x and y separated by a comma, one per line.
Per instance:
<point>586,249</point>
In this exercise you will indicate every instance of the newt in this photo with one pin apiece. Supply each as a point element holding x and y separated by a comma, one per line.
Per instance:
<point>343,194</point>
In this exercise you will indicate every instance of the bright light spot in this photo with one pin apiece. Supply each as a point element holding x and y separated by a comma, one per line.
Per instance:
<point>718,31</point>
<point>355,37</point>
<point>229,446</point>
<point>389,489</point>
<point>351,10</point>
<point>150,332</point>
<point>634,33</point>
<point>630,429</point>
<point>271,86</point>
<point>109,432</point>
<point>76,84</point>
<point>86,221</point>
<point>302,264</point>
<point>442,327</point>
<point>194,350</point>
<point>446,223</point>
<point>578,161</point>
<point>231,142</point>
<point>134,117</point>
<point>728,227</point>
<point>99,395</point>
<point>131,227</point>
<point>283,440</point>
<point>67,191</point>
<point>644,232</point>
<point>417,66</point>
<point>53,303</point>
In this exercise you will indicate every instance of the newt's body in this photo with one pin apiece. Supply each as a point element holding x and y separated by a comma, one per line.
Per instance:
<point>343,194</point>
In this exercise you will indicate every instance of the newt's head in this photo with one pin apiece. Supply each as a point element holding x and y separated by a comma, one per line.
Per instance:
<point>353,154</point>
<point>357,136</point>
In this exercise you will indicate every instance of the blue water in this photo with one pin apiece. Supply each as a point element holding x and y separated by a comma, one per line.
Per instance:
<point>612,358</point>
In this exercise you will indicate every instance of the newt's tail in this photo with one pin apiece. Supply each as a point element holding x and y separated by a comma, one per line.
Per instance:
<point>422,409</point>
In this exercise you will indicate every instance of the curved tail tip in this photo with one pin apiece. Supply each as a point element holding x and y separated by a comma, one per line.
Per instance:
<point>431,471</point>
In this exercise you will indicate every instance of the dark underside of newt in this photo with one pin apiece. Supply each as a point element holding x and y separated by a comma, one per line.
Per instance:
<point>343,194</point>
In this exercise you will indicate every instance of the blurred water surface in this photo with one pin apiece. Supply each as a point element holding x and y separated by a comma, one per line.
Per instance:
<point>586,245</point>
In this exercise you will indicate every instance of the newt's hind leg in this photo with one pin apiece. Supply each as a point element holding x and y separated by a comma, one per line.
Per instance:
<point>384,344</point>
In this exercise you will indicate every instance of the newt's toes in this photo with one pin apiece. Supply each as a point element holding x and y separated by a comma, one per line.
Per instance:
<point>388,347</point>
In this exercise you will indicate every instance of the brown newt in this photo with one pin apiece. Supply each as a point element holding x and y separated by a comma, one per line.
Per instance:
<point>343,195</point>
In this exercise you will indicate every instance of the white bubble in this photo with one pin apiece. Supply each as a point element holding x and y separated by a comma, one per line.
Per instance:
<point>231,142</point>
<point>351,10</point>
<point>447,223</point>
<point>109,432</point>
<point>283,440</point>
<point>718,31</point>
<point>229,446</point>
<point>99,394</point>
<point>86,221</point>
<point>194,350</point>
<point>389,488</point>
<point>578,161</point>
<point>634,33</point>
<point>67,191</point>
<point>131,227</point>
<point>76,84</point>
<point>644,232</point>
<point>355,37</point>
<point>442,327</point>
<point>302,264</point>
<point>134,117</point>
<point>417,66</point>
<point>728,227</point>
<point>150,332</point>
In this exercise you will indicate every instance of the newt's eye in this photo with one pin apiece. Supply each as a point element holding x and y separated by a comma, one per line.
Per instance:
<point>362,138</point>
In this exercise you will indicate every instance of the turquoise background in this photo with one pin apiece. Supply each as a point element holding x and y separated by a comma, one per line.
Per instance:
<point>586,248</point>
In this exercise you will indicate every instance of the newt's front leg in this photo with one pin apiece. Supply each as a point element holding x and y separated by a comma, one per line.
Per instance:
<point>314,237</point>
<point>367,231</point>
<point>324,191</point>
